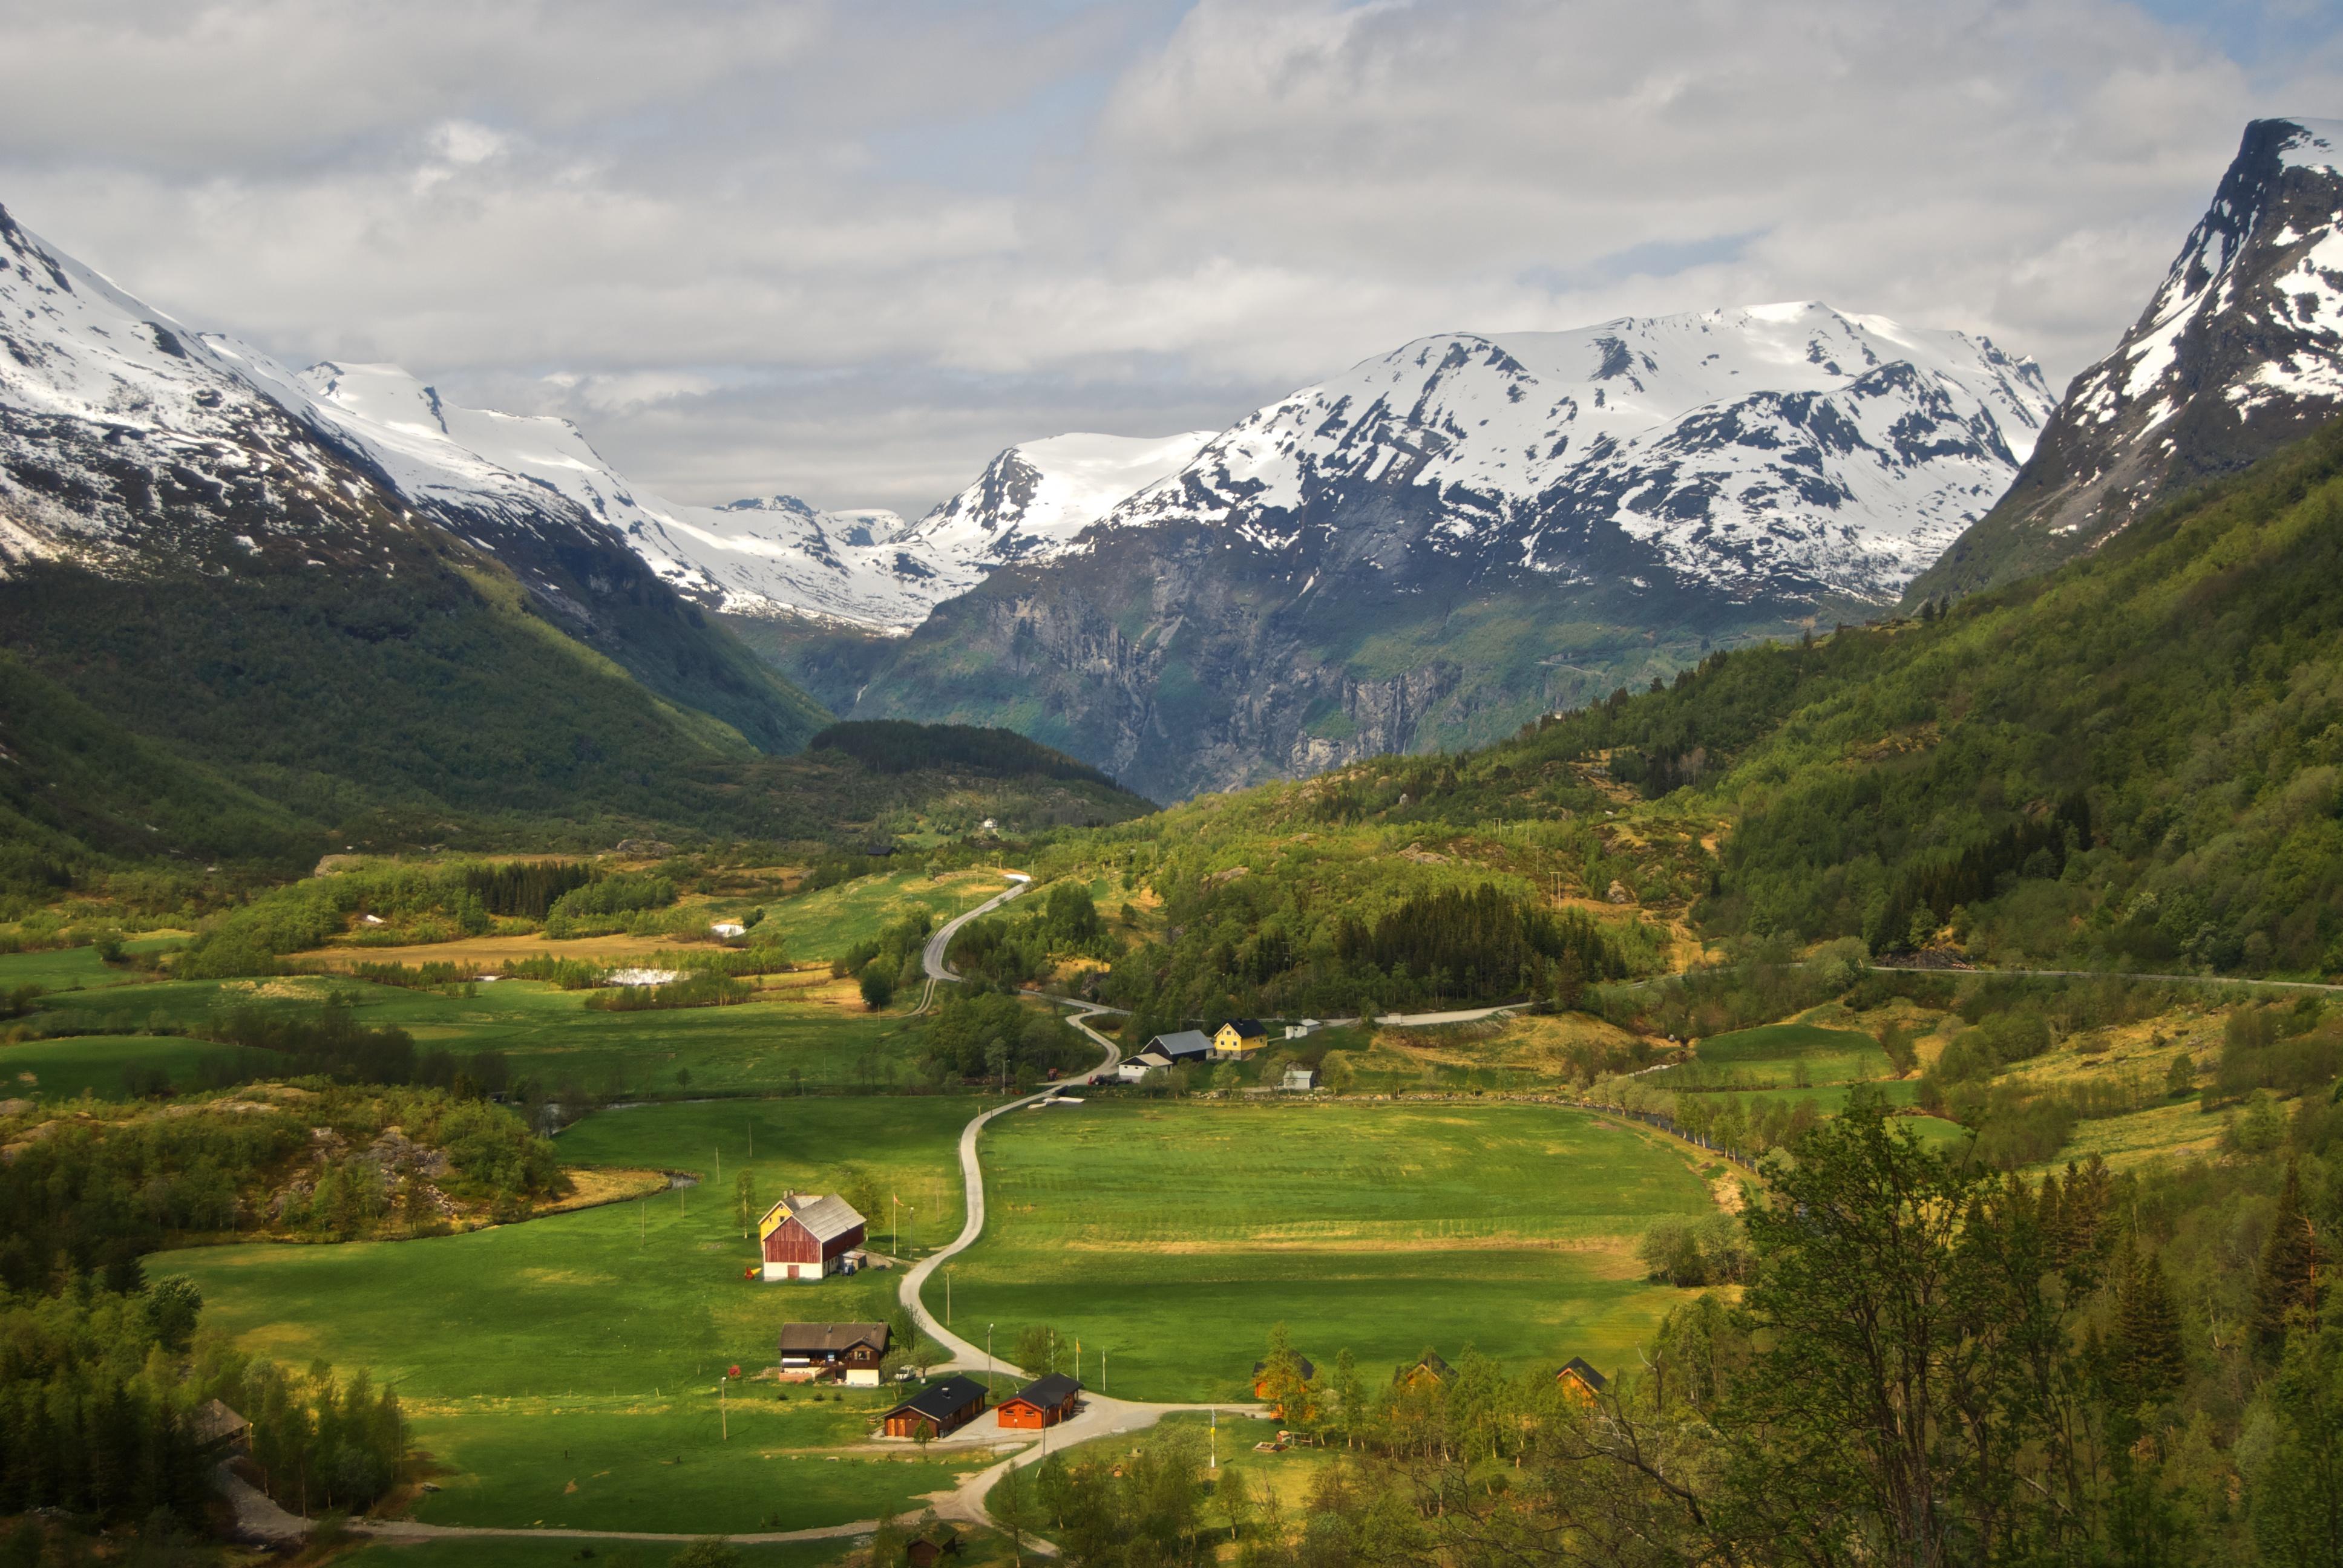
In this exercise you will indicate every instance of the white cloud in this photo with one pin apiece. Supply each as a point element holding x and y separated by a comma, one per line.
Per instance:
<point>851,250</point>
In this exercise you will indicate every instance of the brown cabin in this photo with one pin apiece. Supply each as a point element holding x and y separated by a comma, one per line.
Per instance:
<point>931,1546</point>
<point>218,1427</point>
<point>1580,1382</point>
<point>936,1412</point>
<point>852,1351</point>
<point>1425,1371</point>
<point>1044,1401</point>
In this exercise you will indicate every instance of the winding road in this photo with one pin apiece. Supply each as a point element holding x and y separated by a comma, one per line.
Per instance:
<point>1096,1415</point>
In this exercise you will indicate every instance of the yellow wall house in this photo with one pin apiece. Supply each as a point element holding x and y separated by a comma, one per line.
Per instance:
<point>1240,1037</point>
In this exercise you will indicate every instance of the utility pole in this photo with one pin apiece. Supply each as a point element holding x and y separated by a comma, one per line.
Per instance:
<point>1214,1438</point>
<point>947,1274</point>
<point>642,1222</point>
<point>723,1416</point>
<point>720,1164</point>
<point>987,1360</point>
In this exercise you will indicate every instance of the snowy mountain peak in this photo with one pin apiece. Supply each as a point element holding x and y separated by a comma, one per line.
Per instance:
<point>2240,352</point>
<point>1033,500</point>
<point>1784,447</point>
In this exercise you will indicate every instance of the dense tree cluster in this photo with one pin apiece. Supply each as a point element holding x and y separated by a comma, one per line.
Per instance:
<point>898,746</point>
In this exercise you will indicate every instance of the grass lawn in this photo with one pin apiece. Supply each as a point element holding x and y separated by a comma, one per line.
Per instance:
<point>760,1047</point>
<point>1173,1236</point>
<point>603,1332</point>
<point>824,924</point>
<point>62,1068</point>
<point>74,968</point>
<point>512,1551</point>
<point>1773,1052</point>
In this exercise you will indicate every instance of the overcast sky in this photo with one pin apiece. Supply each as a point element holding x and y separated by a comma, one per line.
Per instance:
<point>850,250</point>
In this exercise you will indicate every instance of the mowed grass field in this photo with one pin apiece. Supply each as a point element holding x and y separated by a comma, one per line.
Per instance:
<point>547,1034</point>
<point>586,1348</point>
<point>1172,1236</point>
<point>822,925</point>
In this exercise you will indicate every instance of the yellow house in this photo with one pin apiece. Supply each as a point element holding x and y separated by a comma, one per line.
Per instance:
<point>1240,1037</point>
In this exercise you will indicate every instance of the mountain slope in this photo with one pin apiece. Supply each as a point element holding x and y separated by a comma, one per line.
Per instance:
<point>2131,761</point>
<point>131,445</point>
<point>2239,354</point>
<point>1466,533</point>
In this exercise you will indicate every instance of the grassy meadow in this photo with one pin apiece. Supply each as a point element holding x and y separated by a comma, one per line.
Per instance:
<point>586,1348</point>
<point>799,1040</point>
<point>1173,1236</point>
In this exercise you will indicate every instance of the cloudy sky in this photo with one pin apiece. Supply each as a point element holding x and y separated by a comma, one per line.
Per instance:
<point>850,250</point>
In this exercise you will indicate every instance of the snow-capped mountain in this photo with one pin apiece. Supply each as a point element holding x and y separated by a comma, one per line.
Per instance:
<point>2239,352</point>
<point>1453,537</point>
<point>1782,447</point>
<point>122,431</point>
<point>766,556</point>
<point>1033,500</point>
<point>136,448</point>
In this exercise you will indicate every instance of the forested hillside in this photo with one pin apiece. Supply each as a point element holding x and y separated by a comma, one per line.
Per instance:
<point>2135,761</point>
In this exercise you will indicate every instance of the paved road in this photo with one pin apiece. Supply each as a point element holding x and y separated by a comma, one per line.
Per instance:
<point>931,957</point>
<point>2111,974</point>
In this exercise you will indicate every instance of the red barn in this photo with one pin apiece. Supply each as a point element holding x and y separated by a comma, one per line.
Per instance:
<point>804,1238</point>
<point>1044,1401</point>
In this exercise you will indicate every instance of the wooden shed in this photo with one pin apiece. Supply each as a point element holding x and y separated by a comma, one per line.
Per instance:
<point>931,1546</point>
<point>1044,1401</point>
<point>218,1427</point>
<point>805,1238</point>
<point>1580,1382</point>
<point>1260,1376</point>
<point>945,1408</point>
<point>1427,1368</point>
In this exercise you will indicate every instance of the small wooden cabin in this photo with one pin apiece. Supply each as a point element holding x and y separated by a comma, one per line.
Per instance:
<point>1044,1401</point>
<point>218,1427</point>
<point>931,1546</point>
<point>1429,1367</point>
<point>1580,1382</point>
<point>852,1351</point>
<point>943,1409</point>
<point>806,1238</point>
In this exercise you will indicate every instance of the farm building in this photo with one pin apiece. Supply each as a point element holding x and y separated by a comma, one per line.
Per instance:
<point>1260,1376</point>
<point>932,1545</point>
<point>805,1238</point>
<point>1300,1080</point>
<point>939,1411</point>
<point>851,1349</point>
<point>1140,1066</point>
<point>1240,1037</point>
<point>1188,1045</point>
<point>217,1426</point>
<point>1580,1382</point>
<point>1430,1367</point>
<point>1044,1401</point>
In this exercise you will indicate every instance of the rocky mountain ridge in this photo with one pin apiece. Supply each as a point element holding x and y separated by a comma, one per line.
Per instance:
<point>2239,352</point>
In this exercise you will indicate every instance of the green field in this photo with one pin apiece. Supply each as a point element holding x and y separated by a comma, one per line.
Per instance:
<point>549,1034</point>
<point>824,924</point>
<point>1773,1052</point>
<point>516,1552</point>
<point>71,969</point>
<point>61,1069</point>
<point>1172,1236</point>
<point>531,1356</point>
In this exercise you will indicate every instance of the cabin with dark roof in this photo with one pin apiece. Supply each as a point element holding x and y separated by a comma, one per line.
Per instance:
<point>931,1546</point>
<point>1427,1368</point>
<point>853,1350</point>
<point>806,1237</point>
<point>1580,1382</point>
<point>939,1411</point>
<point>1044,1401</point>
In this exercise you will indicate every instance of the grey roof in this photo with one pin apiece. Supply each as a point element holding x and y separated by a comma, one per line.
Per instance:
<point>215,1422</point>
<point>1187,1042</point>
<point>829,1339</point>
<point>827,1218</point>
<point>944,1401</point>
<point>1586,1374</point>
<point>1052,1390</point>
